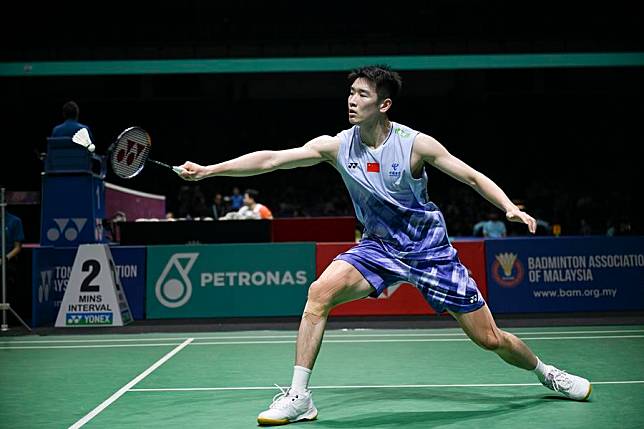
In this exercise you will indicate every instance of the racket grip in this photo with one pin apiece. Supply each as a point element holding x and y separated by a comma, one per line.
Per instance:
<point>178,169</point>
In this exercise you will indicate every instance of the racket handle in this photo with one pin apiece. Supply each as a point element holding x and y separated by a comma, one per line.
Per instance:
<point>178,170</point>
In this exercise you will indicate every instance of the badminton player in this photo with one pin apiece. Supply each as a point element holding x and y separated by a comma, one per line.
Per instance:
<point>405,238</point>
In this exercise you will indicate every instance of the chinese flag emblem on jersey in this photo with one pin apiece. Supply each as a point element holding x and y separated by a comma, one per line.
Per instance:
<point>373,167</point>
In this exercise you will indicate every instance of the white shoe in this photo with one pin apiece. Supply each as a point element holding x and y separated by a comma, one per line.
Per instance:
<point>572,386</point>
<point>289,407</point>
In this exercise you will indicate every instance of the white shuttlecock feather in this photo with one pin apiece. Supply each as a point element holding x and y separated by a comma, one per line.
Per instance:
<point>82,138</point>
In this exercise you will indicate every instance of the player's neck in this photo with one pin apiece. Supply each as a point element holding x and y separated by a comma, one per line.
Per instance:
<point>374,134</point>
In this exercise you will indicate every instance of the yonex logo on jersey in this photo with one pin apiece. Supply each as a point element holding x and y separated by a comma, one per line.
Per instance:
<point>352,165</point>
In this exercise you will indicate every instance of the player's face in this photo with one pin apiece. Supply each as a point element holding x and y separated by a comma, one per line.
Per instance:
<point>363,101</point>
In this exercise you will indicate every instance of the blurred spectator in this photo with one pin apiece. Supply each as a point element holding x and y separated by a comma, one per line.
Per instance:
<point>236,199</point>
<point>543,226</point>
<point>584,227</point>
<point>493,227</point>
<point>199,208</point>
<point>621,227</point>
<point>252,209</point>
<point>218,207</point>
<point>192,203</point>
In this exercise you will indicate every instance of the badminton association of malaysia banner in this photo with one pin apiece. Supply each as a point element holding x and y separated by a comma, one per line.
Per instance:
<point>565,274</point>
<point>52,266</point>
<point>229,280</point>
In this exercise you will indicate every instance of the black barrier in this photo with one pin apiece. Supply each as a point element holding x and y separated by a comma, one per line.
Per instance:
<point>184,232</point>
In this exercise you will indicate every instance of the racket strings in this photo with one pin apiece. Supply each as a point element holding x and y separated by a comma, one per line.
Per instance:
<point>130,153</point>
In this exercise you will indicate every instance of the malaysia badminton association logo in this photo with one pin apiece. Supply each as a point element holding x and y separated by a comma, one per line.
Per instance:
<point>173,287</point>
<point>507,269</point>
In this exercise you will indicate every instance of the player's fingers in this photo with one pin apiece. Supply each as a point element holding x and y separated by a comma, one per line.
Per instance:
<point>184,170</point>
<point>532,224</point>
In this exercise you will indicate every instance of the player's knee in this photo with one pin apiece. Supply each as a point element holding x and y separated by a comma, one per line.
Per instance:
<point>319,299</point>
<point>490,340</point>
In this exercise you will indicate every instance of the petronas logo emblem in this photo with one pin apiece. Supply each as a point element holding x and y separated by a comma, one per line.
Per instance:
<point>173,287</point>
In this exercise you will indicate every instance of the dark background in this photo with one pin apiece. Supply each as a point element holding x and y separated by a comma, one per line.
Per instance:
<point>565,141</point>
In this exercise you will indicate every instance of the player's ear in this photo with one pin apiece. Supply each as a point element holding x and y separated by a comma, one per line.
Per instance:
<point>385,105</point>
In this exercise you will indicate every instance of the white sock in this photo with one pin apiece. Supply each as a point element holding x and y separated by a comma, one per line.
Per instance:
<point>540,370</point>
<point>301,377</point>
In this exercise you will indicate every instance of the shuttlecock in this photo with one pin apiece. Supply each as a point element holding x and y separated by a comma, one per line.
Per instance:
<point>82,138</point>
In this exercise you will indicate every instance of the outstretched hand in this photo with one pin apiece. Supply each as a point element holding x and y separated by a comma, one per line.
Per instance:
<point>192,171</point>
<point>522,217</point>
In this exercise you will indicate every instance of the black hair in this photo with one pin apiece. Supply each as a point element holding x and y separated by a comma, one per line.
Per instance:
<point>388,82</point>
<point>252,193</point>
<point>70,110</point>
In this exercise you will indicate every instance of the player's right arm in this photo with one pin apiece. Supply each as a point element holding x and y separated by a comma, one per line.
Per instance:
<point>320,149</point>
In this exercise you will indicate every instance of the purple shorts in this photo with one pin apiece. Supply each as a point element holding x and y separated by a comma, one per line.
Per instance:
<point>437,273</point>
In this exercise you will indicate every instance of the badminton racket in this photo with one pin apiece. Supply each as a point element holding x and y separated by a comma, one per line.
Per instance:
<point>129,152</point>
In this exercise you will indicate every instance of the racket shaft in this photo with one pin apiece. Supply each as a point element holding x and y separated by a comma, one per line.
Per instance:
<point>177,170</point>
<point>162,164</point>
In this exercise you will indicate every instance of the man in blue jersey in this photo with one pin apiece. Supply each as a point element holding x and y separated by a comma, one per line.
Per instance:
<point>405,238</point>
<point>69,127</point>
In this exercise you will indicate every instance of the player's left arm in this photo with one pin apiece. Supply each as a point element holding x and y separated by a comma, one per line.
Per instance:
<point>427,149</point>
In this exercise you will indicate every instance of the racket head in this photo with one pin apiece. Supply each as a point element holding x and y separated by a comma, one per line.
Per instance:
<point>130,151</point>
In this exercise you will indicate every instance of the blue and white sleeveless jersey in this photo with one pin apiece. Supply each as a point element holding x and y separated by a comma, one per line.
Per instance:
<point>405,237</point>
<point>390,203</point>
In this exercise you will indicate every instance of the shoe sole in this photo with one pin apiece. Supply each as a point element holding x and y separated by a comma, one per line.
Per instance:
<point>278,422</point>
<point>590,390</point>
<point>272,422</point>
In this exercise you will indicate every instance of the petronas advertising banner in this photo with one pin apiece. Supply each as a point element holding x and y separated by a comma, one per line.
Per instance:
<point>228,280</point>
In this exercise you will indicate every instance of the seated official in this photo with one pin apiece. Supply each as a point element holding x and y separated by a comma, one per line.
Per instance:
<point>70,125</point>
<point>251,209</point>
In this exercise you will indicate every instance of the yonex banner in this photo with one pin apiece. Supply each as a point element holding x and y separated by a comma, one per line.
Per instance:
<point>228,280</point>
<point>51,268</point>
<point>565,274</point>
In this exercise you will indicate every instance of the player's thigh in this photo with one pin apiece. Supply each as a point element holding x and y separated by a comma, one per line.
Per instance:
<point>340,282</point>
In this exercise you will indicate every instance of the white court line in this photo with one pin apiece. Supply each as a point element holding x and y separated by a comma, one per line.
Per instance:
<point>329,335</point>
<point>129,385</point>
<point>90,346</point>
<point>412,340</point>
<point>292,341</point>
<point>389,386</point>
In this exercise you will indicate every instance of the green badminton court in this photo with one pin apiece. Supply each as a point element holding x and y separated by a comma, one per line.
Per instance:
<point>363,378</point>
